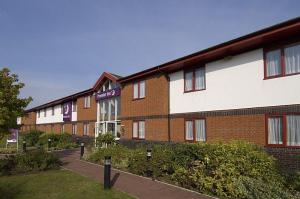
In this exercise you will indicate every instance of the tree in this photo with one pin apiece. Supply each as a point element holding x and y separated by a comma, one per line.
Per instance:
<point>11,106</point>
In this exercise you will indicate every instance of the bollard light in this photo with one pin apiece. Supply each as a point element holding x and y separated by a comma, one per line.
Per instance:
<point>24,146</point>
<point>149,151</point>
<point>49,144</point>
<point>81,149</point>
<point>107,171</point>
<point>149,155</point>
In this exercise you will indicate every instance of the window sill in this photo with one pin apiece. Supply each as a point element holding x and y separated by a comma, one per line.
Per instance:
<point>136,99</point>
<point>279,76</point>
<point>194,90</point>
<point>282,146</point>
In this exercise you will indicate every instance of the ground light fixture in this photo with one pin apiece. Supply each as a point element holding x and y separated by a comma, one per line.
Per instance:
<point>81,149</point>
<point>107,171</point>
<point>49,144</point>
<point>148,156</point>
<point>24,146</point>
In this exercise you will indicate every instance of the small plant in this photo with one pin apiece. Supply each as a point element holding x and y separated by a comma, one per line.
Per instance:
<point>32,137</point>
<point>107,139</point>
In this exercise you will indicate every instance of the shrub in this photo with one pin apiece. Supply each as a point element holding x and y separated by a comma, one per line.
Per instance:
<point>107,139</point>
<point>231,171</point>
<point>160,164</point>
<point>32,137</point>
<point>119,154</point>
<point>60,141</point>
<point>37,160</point>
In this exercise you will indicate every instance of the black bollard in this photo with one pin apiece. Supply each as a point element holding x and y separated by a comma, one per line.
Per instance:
<point>81,149</point>
<point>49,144</point>
<point>107,167</point>
<point>149,155</point>
<point>24,146</point>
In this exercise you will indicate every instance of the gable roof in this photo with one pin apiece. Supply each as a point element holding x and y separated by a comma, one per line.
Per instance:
<point>287,29</point>
<point>103,77</point>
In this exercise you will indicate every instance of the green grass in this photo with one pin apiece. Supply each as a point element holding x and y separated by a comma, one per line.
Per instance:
<point>54,184</point>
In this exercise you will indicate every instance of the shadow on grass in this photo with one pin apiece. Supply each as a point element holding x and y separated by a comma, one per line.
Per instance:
<point>11,191</point>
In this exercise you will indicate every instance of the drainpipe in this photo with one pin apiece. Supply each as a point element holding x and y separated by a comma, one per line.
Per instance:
<point>168,80</point>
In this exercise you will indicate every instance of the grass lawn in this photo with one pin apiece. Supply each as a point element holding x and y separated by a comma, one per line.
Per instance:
<point>54,184</point>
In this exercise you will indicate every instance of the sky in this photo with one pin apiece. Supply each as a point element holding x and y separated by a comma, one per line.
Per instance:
<point>60,47</point>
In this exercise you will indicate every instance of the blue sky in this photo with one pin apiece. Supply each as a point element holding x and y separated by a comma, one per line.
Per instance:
<point>58,47</point>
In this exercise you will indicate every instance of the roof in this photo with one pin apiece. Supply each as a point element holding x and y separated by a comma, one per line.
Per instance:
<point>74,96</point>
<point>290,28</point>
<point>103,77</point>
<point>61,100</point>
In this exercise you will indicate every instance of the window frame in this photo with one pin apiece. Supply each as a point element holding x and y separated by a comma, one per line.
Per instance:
<point>74,129</point>
<point>88,128</point>
<point>138,127</point>
<point>280,47</point>
<point>139,88</point>
<point>87,105</point>
<point>193,70</point>
<point>74,106</point>
<point>284,129</point>
<point>194,129</point>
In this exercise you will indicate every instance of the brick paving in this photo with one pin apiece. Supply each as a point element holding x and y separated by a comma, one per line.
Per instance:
<point>136,186</point>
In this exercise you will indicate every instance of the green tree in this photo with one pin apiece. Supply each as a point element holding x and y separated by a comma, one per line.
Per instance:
<point>11,106</point>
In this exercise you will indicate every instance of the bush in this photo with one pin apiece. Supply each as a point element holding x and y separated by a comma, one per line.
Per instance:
<point>107,139</point>
<point>119,154</point>
<point>37,160</point>
<point>59,141</point>
<point>32,137</point>
<point>234,170</point>
<point>160,164</point>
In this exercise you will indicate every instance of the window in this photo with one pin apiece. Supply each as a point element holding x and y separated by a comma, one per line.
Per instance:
<point>52,110</point>
<point>86,128</point>
<point>45,112</point>
<point>87,101</point>
<point>194,80</point>
<point>138,130</point>
<point>195,130</point>
<point>74,106</point>
<point>284,130</point>
<point>139,90</point>
<point>74,129</point>
<point>282,61</point>
<point>39,114</point>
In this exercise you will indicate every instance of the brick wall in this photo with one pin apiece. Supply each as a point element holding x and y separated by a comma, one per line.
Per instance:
<point>287,157</point>
<point>153,109</point>
<point>226,128</point>
<point>155,102</point>
<point>155,129</point>
<point>84,114</point>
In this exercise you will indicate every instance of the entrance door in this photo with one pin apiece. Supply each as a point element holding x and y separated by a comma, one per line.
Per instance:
<point>111,128</point>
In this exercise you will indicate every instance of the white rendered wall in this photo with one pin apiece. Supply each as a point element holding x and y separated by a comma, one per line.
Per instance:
<point>234,83</point>
<point>57,117</point>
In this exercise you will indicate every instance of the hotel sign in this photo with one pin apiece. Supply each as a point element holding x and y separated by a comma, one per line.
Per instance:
<point>108,94</point>
<point>67,112</point>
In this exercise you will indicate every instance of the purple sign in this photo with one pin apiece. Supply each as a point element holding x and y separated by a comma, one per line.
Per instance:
<point>67,112</point>
<point>108,94</point>
<point>13,135</point>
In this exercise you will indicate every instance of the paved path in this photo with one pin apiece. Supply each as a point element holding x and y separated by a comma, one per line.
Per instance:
<point>134,185</point>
